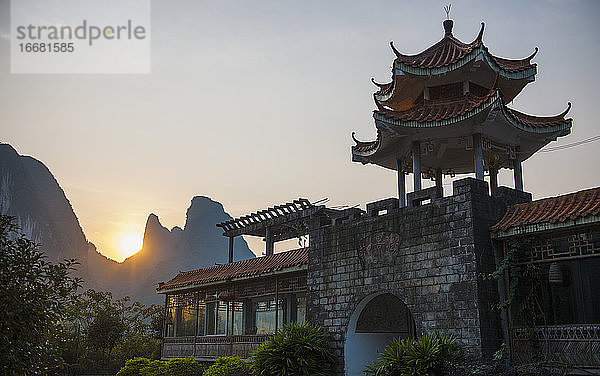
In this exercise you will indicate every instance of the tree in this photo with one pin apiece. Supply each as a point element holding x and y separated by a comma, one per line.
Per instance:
<point>34,294</point>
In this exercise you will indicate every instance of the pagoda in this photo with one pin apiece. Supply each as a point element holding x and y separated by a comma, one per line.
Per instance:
<point>444,113</point>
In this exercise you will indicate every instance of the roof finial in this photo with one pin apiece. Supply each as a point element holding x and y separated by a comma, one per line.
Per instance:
<point>447,9</point>
<point>448,23</point>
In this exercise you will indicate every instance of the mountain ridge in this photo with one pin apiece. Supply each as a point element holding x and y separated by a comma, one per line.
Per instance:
<point>29,192</point>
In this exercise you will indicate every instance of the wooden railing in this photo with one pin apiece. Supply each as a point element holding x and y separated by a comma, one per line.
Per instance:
<point>576,345</point>
<point>210,347</point>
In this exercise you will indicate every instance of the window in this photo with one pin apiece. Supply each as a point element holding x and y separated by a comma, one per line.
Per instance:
<point>216,318</point>
<point>181,316</point>
<point>300,308</point>
<point>564,292</point>
<point>201,317</point>
<point>237,318</point>
<point>264,316</point>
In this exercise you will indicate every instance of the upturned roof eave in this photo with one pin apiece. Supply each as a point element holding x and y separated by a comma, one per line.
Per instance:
<point>562,128</point>
<point>526,73</point>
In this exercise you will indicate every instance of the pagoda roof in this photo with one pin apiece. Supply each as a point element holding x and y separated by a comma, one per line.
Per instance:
<point>440,112</point>
<point>450,53</point>
<point>457,117</point>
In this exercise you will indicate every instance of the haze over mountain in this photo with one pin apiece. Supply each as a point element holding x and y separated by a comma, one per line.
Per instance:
<point>29,192</point>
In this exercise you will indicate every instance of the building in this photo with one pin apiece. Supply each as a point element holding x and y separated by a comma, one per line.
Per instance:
<point>413,264</point>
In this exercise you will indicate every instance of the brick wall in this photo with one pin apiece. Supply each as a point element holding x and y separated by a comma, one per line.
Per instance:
<point>429,256</point>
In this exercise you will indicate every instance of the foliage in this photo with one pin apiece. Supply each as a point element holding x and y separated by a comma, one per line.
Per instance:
<point>105,332</point>
<point>228,366</point>
<point>428,355</point>
<point>295,349</point>
<point>171,367</point>
<point>33,297</point>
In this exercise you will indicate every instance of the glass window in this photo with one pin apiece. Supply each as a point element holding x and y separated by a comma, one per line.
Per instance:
<point>185,320</point>
<point>201,317</point>
<point>222,318</point>
<point>211,309</point>
<point>283,311</point>
<point>170,319</point>
<point>237,316</point>
<point>264,316</point>
<point>300,308</point>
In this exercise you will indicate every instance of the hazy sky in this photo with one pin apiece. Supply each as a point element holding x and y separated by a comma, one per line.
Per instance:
<point>253,103</point>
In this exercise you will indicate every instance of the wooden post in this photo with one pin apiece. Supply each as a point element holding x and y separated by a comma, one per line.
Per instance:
<point>439,181</point>
<point>268,242</point>
<point>276,303</point>
<point>493,180</point>
<point>231,249</point>
<point>518,172</point>
<point>401,184</point>
<point>197,302</point>
<point>478,156</point>
<point>416,156</point>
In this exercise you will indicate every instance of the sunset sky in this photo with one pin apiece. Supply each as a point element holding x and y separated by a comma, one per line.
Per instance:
<point>253,103</point>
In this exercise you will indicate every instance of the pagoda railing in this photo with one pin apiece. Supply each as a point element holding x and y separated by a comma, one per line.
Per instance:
<point>211,347</point>
<point>575,345</point>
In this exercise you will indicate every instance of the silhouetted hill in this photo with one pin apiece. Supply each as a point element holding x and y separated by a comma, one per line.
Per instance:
<point>29,192</point>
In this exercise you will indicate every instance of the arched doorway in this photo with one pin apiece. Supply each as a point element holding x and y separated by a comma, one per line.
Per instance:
<point>376,320</point>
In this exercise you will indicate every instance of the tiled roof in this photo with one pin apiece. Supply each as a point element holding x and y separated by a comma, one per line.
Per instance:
<point>238,269</point>
<point>437,110</point>
<point>539,121</point>
<point>551,210</point>
<point>449,51</point>
<point>362,146</point>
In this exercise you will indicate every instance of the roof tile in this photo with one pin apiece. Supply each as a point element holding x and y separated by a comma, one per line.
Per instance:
<point>551,210</point>
<point>244,268</point>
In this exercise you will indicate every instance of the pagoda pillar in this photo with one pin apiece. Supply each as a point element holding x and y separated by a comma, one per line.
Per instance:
<point>401,184</point>
<point>416,157</point>
<point>478,156</point>
<point>438,181</point>
<point>518,172</point>
<point>493,180</point>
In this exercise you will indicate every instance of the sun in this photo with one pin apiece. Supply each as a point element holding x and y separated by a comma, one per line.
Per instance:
<point>130,243</point>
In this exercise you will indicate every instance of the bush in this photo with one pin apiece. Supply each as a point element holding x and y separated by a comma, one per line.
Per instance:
<point>171,367</point>
<point>228,366</point>
<point>294,350</point>
<point>133,367</point>
<point>429,355</point>
<point>182,367</point>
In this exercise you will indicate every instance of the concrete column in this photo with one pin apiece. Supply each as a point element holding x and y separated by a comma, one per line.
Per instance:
<point>269,242</point>
<point>478,156</point>
<point>493,180</point>
<point>416,157</point>
<point>401,184</point>
<point>439,181</point>
<point>231,249</point>
<point>518,171</point>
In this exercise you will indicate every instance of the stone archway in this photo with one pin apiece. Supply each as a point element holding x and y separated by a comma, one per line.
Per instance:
<point>376,320</point>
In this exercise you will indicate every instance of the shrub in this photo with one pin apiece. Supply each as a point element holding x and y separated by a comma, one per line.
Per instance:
<point>133,367</point>
<point>182,367</point>
<point>228,366</point>
<point>171,367</point>
<point>294,350</point>
<point>429,355</point>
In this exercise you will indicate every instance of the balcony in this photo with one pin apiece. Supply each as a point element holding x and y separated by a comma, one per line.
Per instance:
<point>211,347</point>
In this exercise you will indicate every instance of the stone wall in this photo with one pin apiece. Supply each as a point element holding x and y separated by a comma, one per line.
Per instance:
<point>430,256</point>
